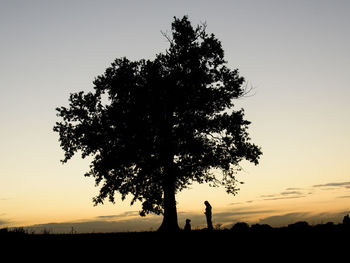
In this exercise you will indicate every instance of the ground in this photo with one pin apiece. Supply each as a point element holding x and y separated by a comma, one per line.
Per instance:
<point>298,241</point>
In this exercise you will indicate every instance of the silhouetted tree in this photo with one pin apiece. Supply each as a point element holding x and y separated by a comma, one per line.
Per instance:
<point>155,126</point>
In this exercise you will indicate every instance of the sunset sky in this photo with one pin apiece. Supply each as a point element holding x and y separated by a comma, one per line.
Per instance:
<point>294,54</point>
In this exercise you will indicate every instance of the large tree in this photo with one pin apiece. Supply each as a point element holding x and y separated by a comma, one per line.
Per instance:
<point>153,127</point>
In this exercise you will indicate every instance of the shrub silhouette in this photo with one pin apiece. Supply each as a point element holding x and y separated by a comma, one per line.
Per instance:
<point>261,228</point>
<point>301,225</point>
<point>240,227</point>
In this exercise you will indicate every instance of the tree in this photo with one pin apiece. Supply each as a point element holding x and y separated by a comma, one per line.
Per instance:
<point>156,126</point>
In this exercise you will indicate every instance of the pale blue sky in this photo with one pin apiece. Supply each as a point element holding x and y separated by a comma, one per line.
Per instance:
<point>294,53</point>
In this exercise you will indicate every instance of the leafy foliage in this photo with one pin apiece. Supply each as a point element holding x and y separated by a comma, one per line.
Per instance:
<point>146,116</point>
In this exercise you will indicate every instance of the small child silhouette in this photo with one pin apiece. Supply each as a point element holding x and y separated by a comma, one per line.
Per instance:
<point>208,215</point>
<point>188,225</point>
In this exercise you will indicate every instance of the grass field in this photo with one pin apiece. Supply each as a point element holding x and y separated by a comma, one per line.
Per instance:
<point>258,241</point>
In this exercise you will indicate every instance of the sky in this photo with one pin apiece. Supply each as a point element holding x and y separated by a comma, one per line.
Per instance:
<point>293,54</point>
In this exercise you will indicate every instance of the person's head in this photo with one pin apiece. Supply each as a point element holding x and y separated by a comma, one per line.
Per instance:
<point>206,203</point>
<point>188,221</point>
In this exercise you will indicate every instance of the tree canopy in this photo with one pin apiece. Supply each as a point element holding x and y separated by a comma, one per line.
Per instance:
<point>153,127</point>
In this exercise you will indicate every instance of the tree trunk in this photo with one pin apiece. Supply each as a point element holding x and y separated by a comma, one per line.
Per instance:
<point>169,223</point>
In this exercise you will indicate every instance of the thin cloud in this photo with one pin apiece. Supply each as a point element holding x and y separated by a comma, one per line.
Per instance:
<point>122,215</point>
<point>283,197</point>
<point>344,196</point>
<point>291,193</point>
<point>237,203</point>
<point>268,196</point>
<point>338,184</point>
<point>4,221</point>
<point>229,214</point>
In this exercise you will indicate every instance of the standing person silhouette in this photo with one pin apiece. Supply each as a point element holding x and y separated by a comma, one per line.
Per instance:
<point>208,215</point>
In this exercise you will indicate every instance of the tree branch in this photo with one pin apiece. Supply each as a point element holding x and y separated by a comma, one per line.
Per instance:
<point>166,35</point>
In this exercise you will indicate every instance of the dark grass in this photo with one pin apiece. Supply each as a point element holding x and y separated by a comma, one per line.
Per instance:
<point>258,241</point>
